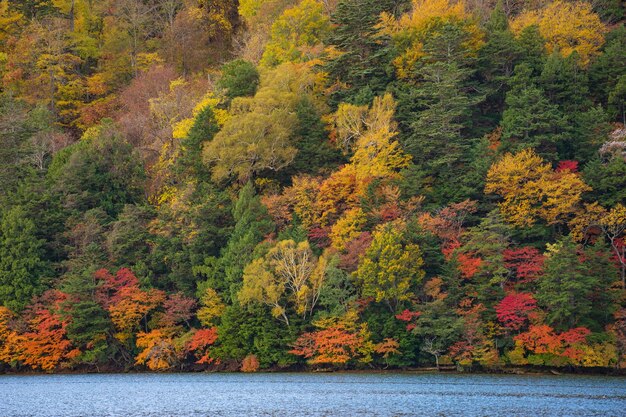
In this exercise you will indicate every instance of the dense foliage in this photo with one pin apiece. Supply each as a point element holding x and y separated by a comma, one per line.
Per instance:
<point>193,184</point>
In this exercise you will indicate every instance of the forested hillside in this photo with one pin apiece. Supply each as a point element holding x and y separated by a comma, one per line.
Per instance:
<point>304,184</point>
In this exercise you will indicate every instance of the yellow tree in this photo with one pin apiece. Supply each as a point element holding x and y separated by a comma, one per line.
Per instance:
<point>390,268</point>
<point>567,27</point>
<point>531,189</point>
<point>258,134</point>
<point>296,36</point>
<point>422,23</point>
<point>289,274</point>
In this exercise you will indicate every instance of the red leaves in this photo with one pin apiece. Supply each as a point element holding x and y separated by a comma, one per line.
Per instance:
<point>200,343</point>
<point>178,309</point>
<point>111,285</point>
<point>349,261</point>
<point>408,316</point>
<point>567,165</point>
<point>513,310</point>
<point>526,262</point>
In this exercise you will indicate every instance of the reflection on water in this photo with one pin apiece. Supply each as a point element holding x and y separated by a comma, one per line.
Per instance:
<point>277,395</point>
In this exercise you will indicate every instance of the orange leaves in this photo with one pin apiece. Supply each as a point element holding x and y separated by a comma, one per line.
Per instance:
<point>387,348</point>
<point>332,346</point>
<point>339,341</point>
<point>126,302</point>
<point>200,343</point>
<point>468,265</point>
<point>250,364</point>
<point>134,304</point>
<point>8,337</point>
<point>546,347</point>
<point>45,346</point>
<point>159,352</point>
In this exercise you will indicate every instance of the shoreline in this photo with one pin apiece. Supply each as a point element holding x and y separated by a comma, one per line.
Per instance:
<point>413,371</point>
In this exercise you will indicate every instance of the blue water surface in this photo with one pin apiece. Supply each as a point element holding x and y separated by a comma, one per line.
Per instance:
<point>281,394</point>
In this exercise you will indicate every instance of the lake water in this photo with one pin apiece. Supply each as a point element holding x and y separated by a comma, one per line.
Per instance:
<point>156,395</point>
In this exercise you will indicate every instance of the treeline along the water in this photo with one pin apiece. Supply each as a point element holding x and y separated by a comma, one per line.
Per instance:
<point>283,184</point>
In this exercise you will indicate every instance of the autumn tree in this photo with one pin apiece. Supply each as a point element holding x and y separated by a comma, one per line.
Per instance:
<point>288,273</point>
<point>566,27</point>
<point>390,268</point>
<point>532,190</point>
<point>337,342</point>
<point>258,136</point>
<point>296,34</point>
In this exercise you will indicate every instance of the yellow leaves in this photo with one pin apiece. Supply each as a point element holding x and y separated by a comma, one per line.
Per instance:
<point>567,27</point>
<point>615,218</point>
<point>347,124</point>
<point>426,18</point>
<point>377,155</point>
<point>347,228</point>
<point>212,307</point>
<point>390,268</point>
<point>531,189</point>
<point>9,20</point>
<point>288,273</point>
<point>181,129</point>
<point>611,223</point>
<point>425,10</point>
<point>145,60</point>
<point>297,34</point>
<point>258,135</point>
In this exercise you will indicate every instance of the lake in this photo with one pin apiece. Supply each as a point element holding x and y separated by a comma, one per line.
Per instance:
<point>285,394</point>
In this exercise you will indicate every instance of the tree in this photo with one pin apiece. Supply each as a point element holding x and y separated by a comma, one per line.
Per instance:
<point>339,341</point>
<point>611,224</point>
<point>514,309</point>
<point>101,170</point>
<point>531,189</point>
<point>88,325</point>
<point>360,64</point>
<point>288,273</point>
<point>566,288</point>
<point>391,268</point>
<point>252,224</point>
<point>45,345</point>
<point>258,136</point>
<point>530,120</point>
<point>239,78</point>
<point>566,27</point>
<point>158,350</point>
<point>23,270</point>
<point>296,34</point>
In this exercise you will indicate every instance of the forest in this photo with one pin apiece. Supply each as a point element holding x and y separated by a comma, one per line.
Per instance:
<point>251,185</point>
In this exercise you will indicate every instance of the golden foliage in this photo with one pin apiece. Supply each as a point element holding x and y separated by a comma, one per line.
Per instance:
<point>567,28</point>
<point>531,189</point>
